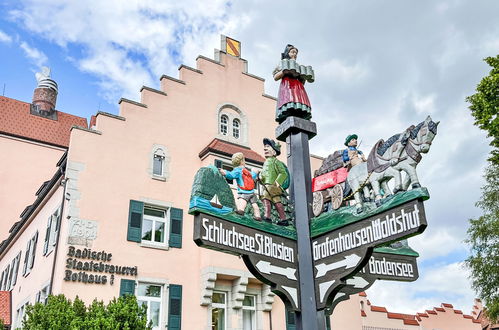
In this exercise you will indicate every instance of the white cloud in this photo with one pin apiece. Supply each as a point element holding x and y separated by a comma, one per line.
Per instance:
<point>33,54</point>
<point>126,46</point>
<point>337,70</point>
<point>447,283</point>
<point>4,37</point>
<point>436,243</point>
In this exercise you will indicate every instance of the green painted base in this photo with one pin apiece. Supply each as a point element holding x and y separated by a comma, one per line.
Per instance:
<point>338,218</point>
<point>406,251</point>
<point>248,221</point>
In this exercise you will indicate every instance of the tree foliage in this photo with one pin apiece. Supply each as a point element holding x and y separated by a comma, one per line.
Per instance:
<point>483,237</point>
<point>485,106</point>
<point>62,313</point>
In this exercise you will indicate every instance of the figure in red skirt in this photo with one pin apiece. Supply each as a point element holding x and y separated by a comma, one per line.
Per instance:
<point>292,99</point>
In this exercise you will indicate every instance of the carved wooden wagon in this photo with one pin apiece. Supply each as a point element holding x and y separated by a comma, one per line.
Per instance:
<point>329,184</point>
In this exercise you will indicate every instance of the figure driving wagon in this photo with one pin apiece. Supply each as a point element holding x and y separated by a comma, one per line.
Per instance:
<point>329,182</point>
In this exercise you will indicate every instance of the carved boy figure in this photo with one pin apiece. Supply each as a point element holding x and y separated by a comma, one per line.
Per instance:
<point>245,185</point>
<point>272,177</point>
<point>352,156</point>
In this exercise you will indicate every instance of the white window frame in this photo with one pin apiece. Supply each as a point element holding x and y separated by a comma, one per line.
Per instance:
<point>224,124</point>
<point>159,154</point>
<point>159,151</point>
<point>236,127</point>
<point>166,221</point>
<point>163,299</point>
<point>232,113</point>
<point>30,254</point>
<point>252,309</point>
<point>42,295</point>
<point>224,306</point>
<point>53,224</point>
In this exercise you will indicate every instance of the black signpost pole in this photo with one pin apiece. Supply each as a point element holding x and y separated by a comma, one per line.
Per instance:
<point>296,132</point>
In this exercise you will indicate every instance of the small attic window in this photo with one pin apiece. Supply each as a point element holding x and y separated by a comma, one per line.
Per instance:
<point>158,162</point>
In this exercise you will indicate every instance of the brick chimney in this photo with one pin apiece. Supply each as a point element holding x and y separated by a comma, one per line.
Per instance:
<point>45,95</point>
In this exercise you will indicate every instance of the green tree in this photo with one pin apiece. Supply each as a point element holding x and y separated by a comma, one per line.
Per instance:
<point>484,106</point>
<point>61,313</point>
<point>483,237</point>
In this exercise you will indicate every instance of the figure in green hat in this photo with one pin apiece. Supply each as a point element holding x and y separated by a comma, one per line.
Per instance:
<point>352,156</point>
<point>272,176</point>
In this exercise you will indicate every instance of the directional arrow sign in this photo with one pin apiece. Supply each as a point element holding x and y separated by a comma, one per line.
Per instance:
<point>348,261</point>
<point>267,268</point>
<point>357,282</point>
<point>381,266</point>
<point>270,258</point>
<point>344,251</point>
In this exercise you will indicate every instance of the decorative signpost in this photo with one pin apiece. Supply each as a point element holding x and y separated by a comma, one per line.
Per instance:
<point>359,231</point>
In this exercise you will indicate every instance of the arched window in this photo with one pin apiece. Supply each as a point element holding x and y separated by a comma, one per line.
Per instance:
<point>232,124</point>
<point>224,125</point>
<point>158,162</point>
<point>236,125</point>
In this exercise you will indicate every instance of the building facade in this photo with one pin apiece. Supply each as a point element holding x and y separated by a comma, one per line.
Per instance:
<point>110,216</point>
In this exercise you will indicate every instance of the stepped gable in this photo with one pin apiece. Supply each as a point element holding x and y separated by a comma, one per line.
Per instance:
<point>419,319</point>
<point>16,120</point>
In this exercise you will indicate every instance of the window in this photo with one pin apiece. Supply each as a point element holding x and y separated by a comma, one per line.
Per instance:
<point>20,315</point>
<point>219,311</point>
<point>42,295</point>
<point>249,312</point>
<point>154,225</point>
<point>51,232</point>
<point>29,256</point>
<point>150,295</point>
<point>5,279</point>
<point>224,125</point>
<point>158,164</point>
<point>236,124</point>
<point>232,124</point>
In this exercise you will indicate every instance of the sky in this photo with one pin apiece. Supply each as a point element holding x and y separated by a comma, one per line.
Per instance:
<point>380,67</point>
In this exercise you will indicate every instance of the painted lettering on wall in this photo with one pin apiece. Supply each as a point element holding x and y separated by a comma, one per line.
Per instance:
<point>81,261</point>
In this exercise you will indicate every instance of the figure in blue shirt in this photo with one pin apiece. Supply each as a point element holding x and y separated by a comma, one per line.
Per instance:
<point>352,156</point>
<point>245,180</point>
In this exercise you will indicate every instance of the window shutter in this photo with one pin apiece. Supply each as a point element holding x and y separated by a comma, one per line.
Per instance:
<point>135,221</point>
<point>16,269</point>
<point>290,320</point>
<point>32,260</point>
<point>127,287</point>
<point>218,163</point>
<point>55,223</point>
<point>47,236</point>
<point>176,217</point>
<point>175,307</point>
<point>26,257</point>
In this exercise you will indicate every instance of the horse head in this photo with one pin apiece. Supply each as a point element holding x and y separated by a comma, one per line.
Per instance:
<point>423,134</point>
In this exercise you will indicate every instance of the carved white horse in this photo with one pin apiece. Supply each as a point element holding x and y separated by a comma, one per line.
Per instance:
<point>401,152</point>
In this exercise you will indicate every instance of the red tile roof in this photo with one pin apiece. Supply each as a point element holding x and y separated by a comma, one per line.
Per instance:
<point>378,309</point>
<point>447,305</point>
<point>457,311</point>
<point>439,309</point>
<point>5,307</point>
<point>422,315</point>
<point>362,313</point>
<point>363,294</point>
<point>228,149</point>
<point>16,120</point>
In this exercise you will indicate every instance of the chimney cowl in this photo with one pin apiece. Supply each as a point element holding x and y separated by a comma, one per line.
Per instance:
<point>45,95</point>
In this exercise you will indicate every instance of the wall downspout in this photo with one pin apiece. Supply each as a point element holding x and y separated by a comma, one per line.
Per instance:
<point>59,223</point>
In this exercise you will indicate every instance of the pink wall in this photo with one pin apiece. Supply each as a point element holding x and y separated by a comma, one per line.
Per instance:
<point>20,178</point>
